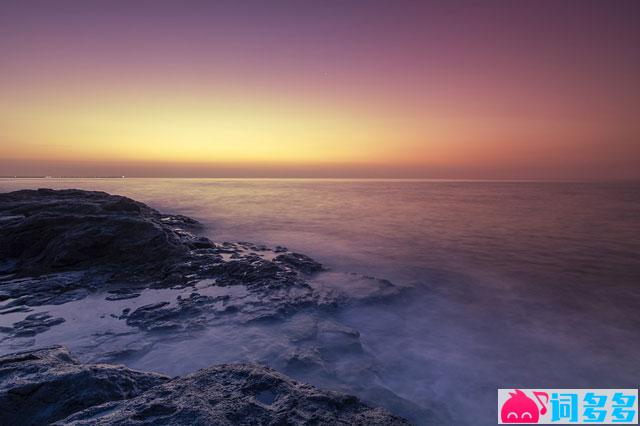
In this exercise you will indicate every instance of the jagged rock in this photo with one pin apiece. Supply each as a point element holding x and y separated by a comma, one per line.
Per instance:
<point>300,262</point>
<point>34,324</point>
<point>233,394</point>
<point>63,245</point>
<point>100,237</point>
<point>42,386</point>
<point>48,385</point>
<point>250,270</point>
<point>50,289</point>
<point>70,228</point>
<point>58,246</point>
<point>122,296</point>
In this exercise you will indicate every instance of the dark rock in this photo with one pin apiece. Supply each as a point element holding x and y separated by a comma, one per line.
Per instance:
<point>201,243</point>
<point>58,246</point>
<point>299,261</point>
<point>70,228</point>
<point>33,324</point>
<point>14,310</point>
<point>48,385</point>
<point>55,238</point>
<point>250,270</point>
<point>43,386</point>
<point>161,316</point>
<point>235,394</point>
<point>50,289</point>
<point>122,296</point>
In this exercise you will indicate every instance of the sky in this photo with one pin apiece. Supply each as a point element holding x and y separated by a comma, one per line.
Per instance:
<point>450,89</point>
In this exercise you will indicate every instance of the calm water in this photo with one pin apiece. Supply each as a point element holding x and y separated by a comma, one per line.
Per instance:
<point>516,284</point>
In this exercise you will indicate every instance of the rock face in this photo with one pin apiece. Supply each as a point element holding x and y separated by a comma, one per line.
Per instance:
<point>42,386</point>
<point>48,385</point>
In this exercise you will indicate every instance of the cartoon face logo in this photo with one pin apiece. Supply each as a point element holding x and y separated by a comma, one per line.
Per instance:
<point>519,408</point>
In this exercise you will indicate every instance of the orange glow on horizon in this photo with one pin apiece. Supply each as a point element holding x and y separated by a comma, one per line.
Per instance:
<point>231,128</point>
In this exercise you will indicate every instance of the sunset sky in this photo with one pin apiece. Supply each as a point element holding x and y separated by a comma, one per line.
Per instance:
<point>451,89</point>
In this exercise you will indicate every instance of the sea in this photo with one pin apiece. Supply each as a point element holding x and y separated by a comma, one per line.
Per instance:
<point>515,284</point>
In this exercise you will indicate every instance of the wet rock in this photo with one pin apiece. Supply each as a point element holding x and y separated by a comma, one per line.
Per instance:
<point>340,289</point>
<point>48,385</point>
<point>99,237</point>
<point>32,325</point>
<point>162,316</point>
<point>299,261</point>
<point>122,296</point>
<point>65,229</point>
<point>201,243</point>
<point>42,386</point>
<point>49,289</point>
<point>234,394</point>
<point>59,245</point>
<point>14,310</point>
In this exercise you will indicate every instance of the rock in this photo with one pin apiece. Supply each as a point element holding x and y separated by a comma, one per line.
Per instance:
<point>34,324</point>
<point>232,394</point>
<point>48,385</point>
<point>49,289</point>
<point>122,296</point>
<point>68,229</point>
<point>300,262</point>
<point>161,316</point>
<point>58,246</point>
<point>201,243</point>
<point>61,246</point>
<point>249,270</point>
<point>42,386</point>
<point>14,310</point>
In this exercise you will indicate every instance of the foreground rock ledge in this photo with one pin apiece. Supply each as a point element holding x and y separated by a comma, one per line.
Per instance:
<point>48,385</point>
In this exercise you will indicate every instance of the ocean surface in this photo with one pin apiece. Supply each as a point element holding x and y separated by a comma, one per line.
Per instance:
<point>513,284</point>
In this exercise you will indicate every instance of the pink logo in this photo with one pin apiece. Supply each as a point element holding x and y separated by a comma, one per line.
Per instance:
<point>519,408</point>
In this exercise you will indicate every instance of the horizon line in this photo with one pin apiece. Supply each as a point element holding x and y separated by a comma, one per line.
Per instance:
<point>372,178</point>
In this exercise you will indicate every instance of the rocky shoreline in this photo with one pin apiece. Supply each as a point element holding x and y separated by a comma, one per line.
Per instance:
<point>49,386</point>
<point>71,251</point>
<point>60,246</point>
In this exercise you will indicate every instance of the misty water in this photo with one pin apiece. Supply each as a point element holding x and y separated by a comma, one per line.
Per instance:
<point>506,284</point>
